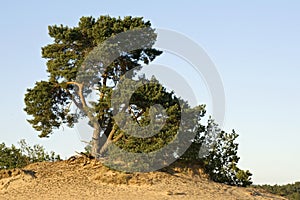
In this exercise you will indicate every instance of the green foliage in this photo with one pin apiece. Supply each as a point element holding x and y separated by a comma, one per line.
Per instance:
<point>142,101</point>
<point>216,150</point>
<point>290,191</point>
<point>150,94</point>
<point>49,101</point>
<point>12,157</point>
<point>37,153</point>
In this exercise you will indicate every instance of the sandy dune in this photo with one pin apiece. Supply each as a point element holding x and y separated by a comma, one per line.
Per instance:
<point>76,180</point>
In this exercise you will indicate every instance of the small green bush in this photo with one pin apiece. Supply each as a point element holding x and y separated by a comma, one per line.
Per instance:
<point>13,157</point>
<point>37,153</point>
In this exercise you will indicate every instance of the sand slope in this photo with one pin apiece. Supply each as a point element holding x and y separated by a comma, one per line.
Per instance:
<point>77,179</point>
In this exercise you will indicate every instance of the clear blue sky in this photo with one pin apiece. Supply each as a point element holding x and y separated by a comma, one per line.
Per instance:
<point>255,46</point>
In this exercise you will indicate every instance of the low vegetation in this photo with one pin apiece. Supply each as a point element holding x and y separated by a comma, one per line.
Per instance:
<point>290,191</point>
<point>14,157</point>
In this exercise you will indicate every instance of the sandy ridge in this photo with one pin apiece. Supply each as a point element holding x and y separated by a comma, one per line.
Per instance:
<point>81,179</point>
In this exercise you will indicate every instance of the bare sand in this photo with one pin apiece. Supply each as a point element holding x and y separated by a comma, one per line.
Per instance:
<point>81,179</point>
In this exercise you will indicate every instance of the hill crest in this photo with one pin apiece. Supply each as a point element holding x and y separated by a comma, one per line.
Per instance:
<point>82,178</point>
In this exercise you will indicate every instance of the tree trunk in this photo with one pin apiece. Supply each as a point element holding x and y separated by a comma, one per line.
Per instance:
<point>105,146</point>
<point>109,135</point>
<point>96,146</point>
<point>99,142</point>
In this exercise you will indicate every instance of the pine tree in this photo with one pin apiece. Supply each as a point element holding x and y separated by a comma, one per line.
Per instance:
<point>49,102</point>
<point>221,159</point>
<point>96,56</point>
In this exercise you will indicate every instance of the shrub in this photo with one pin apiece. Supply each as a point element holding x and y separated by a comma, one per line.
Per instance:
<point>37,153</point>
<point>13,157</point>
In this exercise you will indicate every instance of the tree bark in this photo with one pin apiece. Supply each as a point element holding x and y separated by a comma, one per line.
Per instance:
<point>96,141</point>
<point>109,140</point>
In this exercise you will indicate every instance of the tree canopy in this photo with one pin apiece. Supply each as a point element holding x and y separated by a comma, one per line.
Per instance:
<point>94,58</point>
<point>49,101</point>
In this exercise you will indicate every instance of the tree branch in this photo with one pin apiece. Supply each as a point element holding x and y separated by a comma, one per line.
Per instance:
<point>118,137</point>
<point>74,83</point>
<point>137,116</point>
